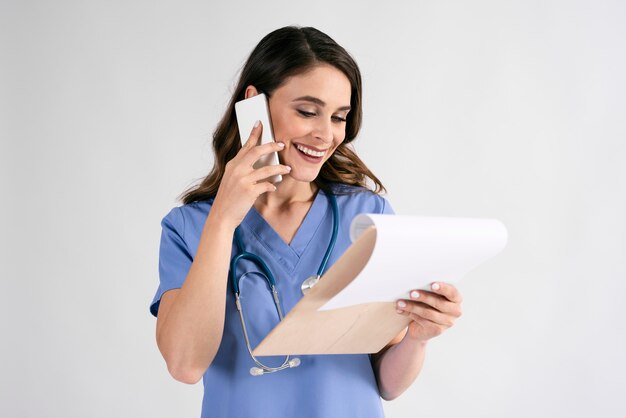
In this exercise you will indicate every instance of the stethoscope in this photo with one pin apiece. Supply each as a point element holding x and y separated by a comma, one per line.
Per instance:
<point>269,277</point>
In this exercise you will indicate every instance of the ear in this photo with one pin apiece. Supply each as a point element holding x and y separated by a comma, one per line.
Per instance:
<point>251,91</point>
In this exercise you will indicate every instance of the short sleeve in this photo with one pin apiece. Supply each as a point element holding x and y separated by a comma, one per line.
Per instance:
<point>174,257</point>
<point>387,209</point>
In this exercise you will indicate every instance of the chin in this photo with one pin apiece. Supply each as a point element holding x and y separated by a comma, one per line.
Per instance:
<point>304,177</point>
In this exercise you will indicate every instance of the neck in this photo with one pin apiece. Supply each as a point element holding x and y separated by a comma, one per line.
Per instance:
<point>288,191</point>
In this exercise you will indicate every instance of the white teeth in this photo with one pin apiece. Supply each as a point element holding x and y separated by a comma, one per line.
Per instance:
<point>310,151</point>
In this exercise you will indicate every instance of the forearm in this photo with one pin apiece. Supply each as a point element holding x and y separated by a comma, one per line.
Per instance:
<point>398,367</point>
<point>192,329</point>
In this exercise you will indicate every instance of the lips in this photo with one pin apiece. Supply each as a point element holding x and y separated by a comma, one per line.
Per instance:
<point>310,151</point>
<point>307,157</point>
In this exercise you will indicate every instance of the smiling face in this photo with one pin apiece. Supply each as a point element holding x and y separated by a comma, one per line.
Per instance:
<point>309,115</point>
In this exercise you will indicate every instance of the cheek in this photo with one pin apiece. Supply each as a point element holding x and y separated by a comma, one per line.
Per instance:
<point>338,141</point>
<point>287,127</point>
<point>277,126</point>
<point>340,136</point>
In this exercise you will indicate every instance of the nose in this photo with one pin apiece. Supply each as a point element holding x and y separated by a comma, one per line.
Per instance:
<point>324,130</point>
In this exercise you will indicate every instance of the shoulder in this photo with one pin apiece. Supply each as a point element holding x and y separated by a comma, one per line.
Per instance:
<point>359,199</point>
<point>188,217</point>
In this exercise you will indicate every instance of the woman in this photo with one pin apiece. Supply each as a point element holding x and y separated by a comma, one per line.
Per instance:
<point>314,93</point>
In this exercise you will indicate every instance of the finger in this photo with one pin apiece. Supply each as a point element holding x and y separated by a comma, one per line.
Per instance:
<point>436,301</point>
<point>426,312</point>
<point>268,171</point>
<point>429,327</point>
<point>258,151</point>
<point>447,290</point>
<point>254,136</point>
<point>264,187</point>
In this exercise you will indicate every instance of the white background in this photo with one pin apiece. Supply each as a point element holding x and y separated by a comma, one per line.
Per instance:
<point>512,110</point>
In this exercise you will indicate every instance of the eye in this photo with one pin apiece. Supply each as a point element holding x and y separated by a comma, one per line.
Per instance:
<point>339,119</point>
<point>306,114</point>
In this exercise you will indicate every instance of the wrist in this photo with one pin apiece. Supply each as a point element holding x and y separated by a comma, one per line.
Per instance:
<point>417,342</point>
<point>220,224</point>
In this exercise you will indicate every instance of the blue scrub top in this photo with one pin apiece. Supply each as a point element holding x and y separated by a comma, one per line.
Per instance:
<point>323,385</point>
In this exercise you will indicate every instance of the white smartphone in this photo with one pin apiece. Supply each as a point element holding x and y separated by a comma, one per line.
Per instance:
<point>248,111</point>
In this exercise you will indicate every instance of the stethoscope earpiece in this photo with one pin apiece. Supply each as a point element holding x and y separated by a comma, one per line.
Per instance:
<point>258,371</point>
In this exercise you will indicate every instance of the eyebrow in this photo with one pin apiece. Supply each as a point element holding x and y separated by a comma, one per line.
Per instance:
<point>317,101</point>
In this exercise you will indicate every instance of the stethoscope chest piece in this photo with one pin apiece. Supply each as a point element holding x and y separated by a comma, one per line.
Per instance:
<point>308,284</point>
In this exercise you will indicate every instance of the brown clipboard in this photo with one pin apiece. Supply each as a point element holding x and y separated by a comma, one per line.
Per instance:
<point>358,329</point>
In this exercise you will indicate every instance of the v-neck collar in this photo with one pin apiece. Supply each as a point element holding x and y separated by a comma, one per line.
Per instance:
<point>289,254</point>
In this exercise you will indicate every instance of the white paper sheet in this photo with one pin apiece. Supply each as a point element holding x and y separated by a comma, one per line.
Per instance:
<point>411,252</point>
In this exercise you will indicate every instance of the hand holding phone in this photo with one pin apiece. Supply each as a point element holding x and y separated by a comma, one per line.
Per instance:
<point>248,111</point>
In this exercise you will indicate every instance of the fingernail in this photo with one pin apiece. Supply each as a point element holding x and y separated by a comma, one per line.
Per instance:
<point>288,168</point>
<point>281,145</point>
<point>399,310</point>
<point>401,304</point>
<point>435,286</point>
<point>256,124</point>
<point>415,294</point>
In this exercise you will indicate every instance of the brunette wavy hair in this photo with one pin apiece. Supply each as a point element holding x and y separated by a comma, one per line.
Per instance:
<point>284,53</point>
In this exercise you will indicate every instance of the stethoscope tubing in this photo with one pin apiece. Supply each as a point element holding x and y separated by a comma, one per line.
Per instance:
<point>269,277</point>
